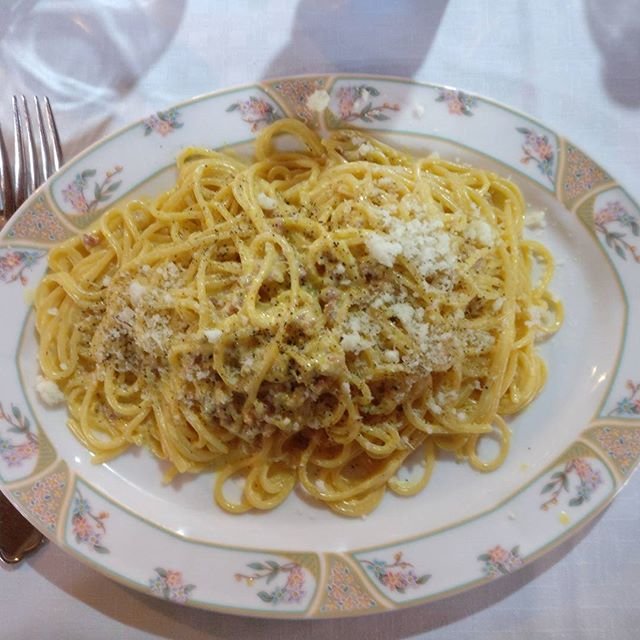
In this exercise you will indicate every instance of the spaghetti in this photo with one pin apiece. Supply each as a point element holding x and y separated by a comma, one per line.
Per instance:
<point>310,318</point>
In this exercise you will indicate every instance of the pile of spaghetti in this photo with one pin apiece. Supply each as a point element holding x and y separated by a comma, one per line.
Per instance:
<point>308,320</point>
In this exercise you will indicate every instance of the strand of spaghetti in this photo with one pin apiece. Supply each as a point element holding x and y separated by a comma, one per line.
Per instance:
<point>412,487</point>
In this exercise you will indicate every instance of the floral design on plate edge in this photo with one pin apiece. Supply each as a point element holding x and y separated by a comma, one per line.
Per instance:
<point>44,498</point>
<point>537,149</point>
<point>74,192</point>
<point>357,103</point>
<point>621,444</point>
<point>257,112</point>
<point>162,122</point>
<point>589,481</point>
<point>630,404</point>
<point>458,103</point>
<point>168,584</point>
<point>15,262</point>
<point>399,576</point>
<point>88,528</point>
<point>614,212</point>
<point>500,561</point>
<point>293,589</point>
<point>12,453</point>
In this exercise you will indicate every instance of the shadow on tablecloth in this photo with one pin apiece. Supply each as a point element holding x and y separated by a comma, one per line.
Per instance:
<point>389,38</point>
<point>615,29</point>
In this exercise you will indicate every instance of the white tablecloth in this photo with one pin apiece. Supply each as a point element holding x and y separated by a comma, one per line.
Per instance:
<point>574,64</point>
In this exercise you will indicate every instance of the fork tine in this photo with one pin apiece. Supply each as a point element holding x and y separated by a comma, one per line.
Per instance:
<point>20,193</point>
<point>6,187</point>
<point>55,138</point>
<point>45,151</point>
<point>30,150</point>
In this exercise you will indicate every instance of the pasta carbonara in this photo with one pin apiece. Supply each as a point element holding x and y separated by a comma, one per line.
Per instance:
<point>309,319</point>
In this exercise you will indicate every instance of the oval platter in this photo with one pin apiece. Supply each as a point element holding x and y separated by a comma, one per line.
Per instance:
<point>573,449</point>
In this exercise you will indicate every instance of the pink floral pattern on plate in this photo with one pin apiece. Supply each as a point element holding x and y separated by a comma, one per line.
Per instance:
<point>458,103</point>
<point>168,584</point>
<point>15,453</point>
<point>500,561</point>
<point>293,590</point>
<point>588,481</point>
<point>398,576</point>
<point>15,262</point>
<point>257,112</point>
<point>358,103</point>
<point>539,150</point>
<point>88,527</point>
<point>615,213</point>
<point>630,404</point>
<point>74,192</point>
<point>162,122</point>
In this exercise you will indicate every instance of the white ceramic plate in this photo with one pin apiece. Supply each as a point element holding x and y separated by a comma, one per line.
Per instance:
<point>573,449</point>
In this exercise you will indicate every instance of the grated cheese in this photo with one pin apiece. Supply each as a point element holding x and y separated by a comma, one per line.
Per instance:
<point>136,292</point>
<point>535,219</point>
<point>156,330</point>
<point>480,231</point>
<point>52,311</point>
<point>404,312</point>
<point>169,274</point>
<point>392,355</point>
<point>436,347</point>
<point>126,316</point>
<point>382,249</point>
<point>357,325</point>
<point>381,300</point>
<point>354,342</point>
<point>539,316</point>
<point>424,243</point>
<point>266,202</point>
<point>364,149</point>
<point>248,362</point>
<point>49,392</point>
<point>436,409</point>
<point>318,100</point>
<point>212,335</point>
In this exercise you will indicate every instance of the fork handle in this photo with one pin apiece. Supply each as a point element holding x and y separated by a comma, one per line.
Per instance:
<point>18,537</point>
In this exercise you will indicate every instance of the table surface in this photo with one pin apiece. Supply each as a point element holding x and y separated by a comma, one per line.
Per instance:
<point>575,65</point>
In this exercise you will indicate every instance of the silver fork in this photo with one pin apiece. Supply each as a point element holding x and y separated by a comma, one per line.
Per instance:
<point>29,172</point>
<point>17,536</point>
